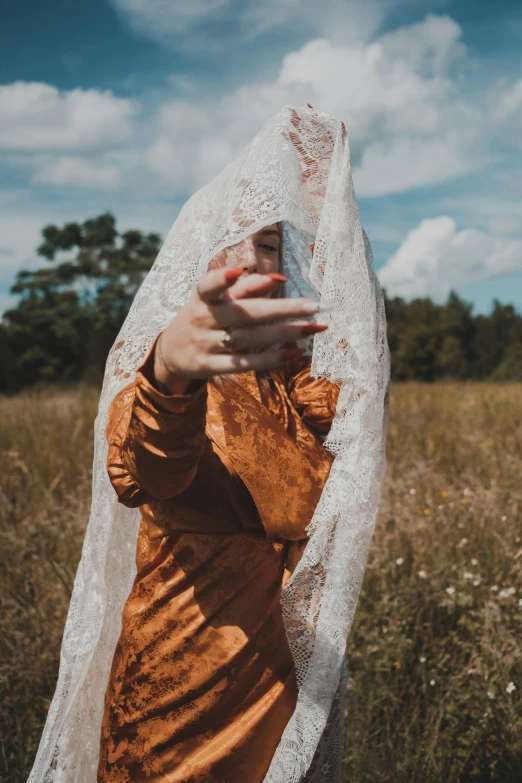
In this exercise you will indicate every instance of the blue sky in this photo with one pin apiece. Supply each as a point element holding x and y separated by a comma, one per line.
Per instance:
<point>131,105</point>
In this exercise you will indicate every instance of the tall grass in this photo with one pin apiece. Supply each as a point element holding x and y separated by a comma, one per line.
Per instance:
<point>46,446</point>
<point>437,637</point>
<point>434,655</point>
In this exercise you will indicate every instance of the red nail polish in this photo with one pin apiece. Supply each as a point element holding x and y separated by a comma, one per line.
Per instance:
<point>292,353</point>
<point>313,329</point>
<point>233,274</point>
<point>277,277</point>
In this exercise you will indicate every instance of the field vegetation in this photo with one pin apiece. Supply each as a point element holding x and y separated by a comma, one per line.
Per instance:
<point>434,655</point>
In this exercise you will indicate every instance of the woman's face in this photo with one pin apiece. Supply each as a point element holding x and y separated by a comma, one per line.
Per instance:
<point>259,252</point>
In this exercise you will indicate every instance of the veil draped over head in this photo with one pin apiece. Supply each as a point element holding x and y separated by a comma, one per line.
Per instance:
<point>295,171</point>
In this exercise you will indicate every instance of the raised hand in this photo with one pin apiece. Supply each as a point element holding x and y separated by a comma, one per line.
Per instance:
<point>231,325</point>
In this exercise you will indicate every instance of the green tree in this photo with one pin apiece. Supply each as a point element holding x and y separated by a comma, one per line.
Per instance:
<point>455,332</point>
<point>430,341</point>
<point>510,368</point>
<point>71,310</point>
<point>412,335</point>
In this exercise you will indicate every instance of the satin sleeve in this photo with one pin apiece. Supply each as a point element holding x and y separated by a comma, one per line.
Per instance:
<point>155,440</point>
<point>315,399</point>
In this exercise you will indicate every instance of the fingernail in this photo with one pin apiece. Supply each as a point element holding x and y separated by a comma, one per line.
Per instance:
<point>277,277</point>
<point>233,274</point>
<point>292,353</point>
<point>313,329</point>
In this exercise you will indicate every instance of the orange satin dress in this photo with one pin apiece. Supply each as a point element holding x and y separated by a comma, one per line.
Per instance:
<point>227,478</point>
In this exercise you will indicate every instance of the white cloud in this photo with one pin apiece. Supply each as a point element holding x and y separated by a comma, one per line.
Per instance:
<point>506,111</point>
<point>505,224</point>
<point>169,21</point>
<point>161,18</point>
<point>427,47</point>
<point>403,164</point>
<point>36,116</point>
<point>20,235</point>
<point>77,172</point>
<point>408,123</point>
<point>508,102</point>
<point>181,126</point>
<point>436,257</point>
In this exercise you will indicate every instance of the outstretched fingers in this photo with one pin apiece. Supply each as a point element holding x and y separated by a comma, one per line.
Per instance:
<point>221,285</point>
<point>262,337</point>
<point>255,311</point>
<point>253,285</point>
<point>214,284</point>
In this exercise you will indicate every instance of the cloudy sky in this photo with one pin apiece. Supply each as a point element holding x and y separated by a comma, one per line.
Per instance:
<point>131,105</point>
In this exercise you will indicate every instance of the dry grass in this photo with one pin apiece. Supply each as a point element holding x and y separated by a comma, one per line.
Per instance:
<point>441,601</point>
<point>438,630</point>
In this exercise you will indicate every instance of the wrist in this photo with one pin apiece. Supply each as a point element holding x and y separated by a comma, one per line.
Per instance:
<point>166,379</point>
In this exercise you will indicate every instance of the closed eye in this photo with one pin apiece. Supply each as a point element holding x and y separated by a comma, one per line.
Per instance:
<point>270,248</point>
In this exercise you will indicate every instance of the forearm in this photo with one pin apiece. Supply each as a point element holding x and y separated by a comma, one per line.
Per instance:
<point>166,434</point>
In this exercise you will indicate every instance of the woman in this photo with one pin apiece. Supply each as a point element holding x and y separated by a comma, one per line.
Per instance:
<point>206,635</point>
<point>203,681</point>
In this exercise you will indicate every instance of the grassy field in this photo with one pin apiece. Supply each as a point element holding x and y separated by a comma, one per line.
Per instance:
<point>434,692</point>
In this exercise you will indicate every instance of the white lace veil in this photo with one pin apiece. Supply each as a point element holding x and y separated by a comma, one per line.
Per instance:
<point>297,171</point>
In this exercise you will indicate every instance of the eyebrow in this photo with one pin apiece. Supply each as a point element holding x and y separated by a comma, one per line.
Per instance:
<point>269,232</point>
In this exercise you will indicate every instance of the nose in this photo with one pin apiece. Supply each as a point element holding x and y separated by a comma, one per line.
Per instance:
<point>248,257</point>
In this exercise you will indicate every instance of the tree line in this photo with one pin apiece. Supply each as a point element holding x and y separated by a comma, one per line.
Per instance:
<point>70,311</point>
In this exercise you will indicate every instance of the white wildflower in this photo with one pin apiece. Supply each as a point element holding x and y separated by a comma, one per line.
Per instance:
<point>413,491</point>
<point>450,590</point>
<point>400,560</point>
<point>422,574</point>
<point>491,695</point>
<point>467,575</point>
<point>474,561</point>
<point>422,659</point>
<point>511,687</point>
<point>432,682</point>
<point>494,588</point>
<point>503,519</point>
<point>462,542</point>
<point>476,582</point>
<point>466,492</point>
